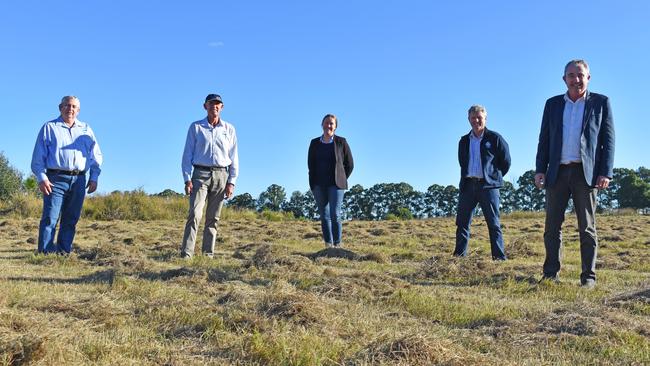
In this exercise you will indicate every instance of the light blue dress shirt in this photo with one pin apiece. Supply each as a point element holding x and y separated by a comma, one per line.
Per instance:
<point>66,148</point>
<point>475,167</point>
<point>572,130</point>
<point>211,146</point>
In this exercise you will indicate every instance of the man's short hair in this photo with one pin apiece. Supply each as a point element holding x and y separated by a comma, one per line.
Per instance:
<point>68,97</point>
<point>476,108</point>
<point>576,62</point>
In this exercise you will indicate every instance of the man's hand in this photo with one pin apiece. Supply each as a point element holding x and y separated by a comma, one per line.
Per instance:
<point>188,187</point>
<point>92,186</point>
<point>540,180</point>
<point>45,187</point>
<point>230,189</point>
<point>602,182</point>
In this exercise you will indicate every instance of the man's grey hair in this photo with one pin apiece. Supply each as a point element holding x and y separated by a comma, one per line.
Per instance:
<point>576,62</point>
<point>476,108</point>
<point>68,97</point>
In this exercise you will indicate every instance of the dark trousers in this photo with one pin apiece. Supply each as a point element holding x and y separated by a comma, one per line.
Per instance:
<point>571,184</point>
<point>474,193</point>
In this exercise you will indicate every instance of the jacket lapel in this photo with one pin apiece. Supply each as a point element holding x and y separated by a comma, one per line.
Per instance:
<point>588,108</point>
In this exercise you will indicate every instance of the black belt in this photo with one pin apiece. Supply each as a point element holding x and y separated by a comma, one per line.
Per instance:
<point>573,163</point>
<point>475,179</point>
<point>66,172</point>
<point>210,167</point>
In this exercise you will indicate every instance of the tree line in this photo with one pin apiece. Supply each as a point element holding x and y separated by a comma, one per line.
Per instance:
<point>629,189</point>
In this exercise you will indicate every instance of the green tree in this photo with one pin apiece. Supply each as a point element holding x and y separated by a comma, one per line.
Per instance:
<point>355,205</point>
<point>448,201</point>
<point>30,185</point>
<point>272,198</point>
<point>633,191</point>
<point>529,198</point>
<point>243,201</point>
<point>431,200</point>
<point>11,180</point>
<point>508,198</point>
<point>301,205</point>
<point>168,193</point>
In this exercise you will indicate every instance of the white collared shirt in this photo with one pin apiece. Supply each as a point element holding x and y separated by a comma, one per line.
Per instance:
<point>212,146</point>
<point>475,167</point>
<point>572,129</point>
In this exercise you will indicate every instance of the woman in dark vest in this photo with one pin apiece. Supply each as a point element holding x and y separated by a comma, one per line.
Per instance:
<point>330,164</point>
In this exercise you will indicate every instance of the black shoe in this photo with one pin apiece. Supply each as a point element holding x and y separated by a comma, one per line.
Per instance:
<point>588,284</point>
<point>553,279</point>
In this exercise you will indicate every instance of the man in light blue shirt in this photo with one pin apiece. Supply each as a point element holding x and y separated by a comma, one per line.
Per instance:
<point>65,152</point>
<point>210,167</point>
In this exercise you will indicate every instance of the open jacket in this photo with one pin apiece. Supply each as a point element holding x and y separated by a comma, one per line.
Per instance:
<point>495,158</point>
<point>344,162</point>
<point>596,139</point>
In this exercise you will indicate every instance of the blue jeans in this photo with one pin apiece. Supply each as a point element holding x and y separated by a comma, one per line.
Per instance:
<point>65,201</point>
<point>472,194</point>
<point>329,200</point>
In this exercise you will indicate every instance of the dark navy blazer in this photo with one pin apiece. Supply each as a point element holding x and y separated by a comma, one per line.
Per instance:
<point>596,140</point>
<point>495,158</point>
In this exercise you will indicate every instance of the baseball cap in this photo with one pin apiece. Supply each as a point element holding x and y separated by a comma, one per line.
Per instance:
<point>213,97</point>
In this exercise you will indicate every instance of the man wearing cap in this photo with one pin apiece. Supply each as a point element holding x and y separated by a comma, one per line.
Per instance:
<point>65,152</point>
<point>210,168</point>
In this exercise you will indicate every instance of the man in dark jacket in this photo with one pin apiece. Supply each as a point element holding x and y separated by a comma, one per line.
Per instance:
<point>484,159</point>
<point>575,158</point>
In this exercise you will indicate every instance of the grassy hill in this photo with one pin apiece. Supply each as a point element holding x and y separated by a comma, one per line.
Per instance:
<point>272,295</point>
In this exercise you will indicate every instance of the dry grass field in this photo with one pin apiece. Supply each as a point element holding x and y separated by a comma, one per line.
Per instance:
<point>273,296</point>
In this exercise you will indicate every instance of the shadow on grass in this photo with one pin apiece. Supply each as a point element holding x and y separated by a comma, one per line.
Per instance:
<point>346,254</point>
<point>106,276</point>
<point>210,275</point>
<point>16,250</point>
<point>637,295</point>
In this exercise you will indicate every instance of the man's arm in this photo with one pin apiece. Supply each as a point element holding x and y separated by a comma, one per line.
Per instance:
<point>39,155</point>
<point>505,156</point>
<point>233,170</point>
<point>542,158</point>
<point>96,160</point>
<point>186,161</point>
<point>606,143</point>
<point>348,161</point>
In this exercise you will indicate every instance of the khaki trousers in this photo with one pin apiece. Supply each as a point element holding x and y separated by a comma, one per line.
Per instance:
<point>207,185</point>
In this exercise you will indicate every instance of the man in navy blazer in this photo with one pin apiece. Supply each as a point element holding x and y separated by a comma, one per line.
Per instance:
<point>484,159</point>
<point>575,158</point>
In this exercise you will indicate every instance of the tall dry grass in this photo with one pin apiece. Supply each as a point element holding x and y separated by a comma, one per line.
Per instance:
<point>132,205</point>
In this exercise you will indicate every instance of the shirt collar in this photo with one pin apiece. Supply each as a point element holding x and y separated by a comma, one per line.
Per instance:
<point>323,141</point>
<point>77,123</point>
<point>206,123</point>
<point>579,100</point>
<point>472,136</point>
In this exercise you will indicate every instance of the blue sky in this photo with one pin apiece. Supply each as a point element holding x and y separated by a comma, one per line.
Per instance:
<point>400,76</point>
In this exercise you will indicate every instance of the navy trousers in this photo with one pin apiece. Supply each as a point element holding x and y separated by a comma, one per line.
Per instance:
<point>474,193</point>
